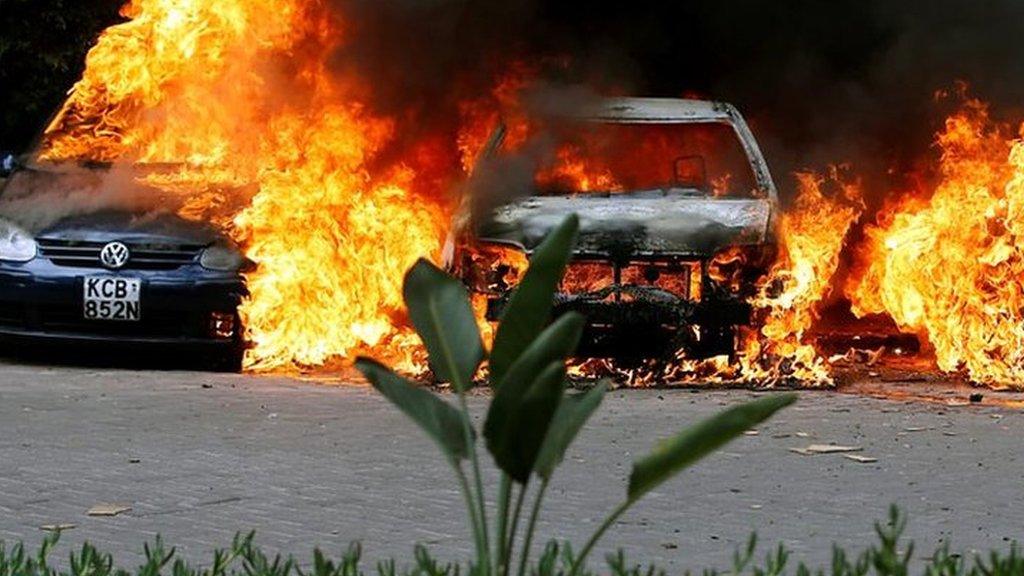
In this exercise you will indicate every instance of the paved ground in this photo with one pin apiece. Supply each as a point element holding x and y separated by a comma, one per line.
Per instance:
<point>200,456</point>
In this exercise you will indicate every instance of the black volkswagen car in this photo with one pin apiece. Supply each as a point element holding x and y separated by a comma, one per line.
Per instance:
<point>85,261</point>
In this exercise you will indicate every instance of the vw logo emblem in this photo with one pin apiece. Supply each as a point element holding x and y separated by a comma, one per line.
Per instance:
<point>114,255</point>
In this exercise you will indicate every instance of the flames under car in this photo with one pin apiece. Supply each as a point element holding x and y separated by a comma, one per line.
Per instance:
<point>668,256</point>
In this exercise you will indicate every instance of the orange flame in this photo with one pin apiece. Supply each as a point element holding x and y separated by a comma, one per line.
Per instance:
<point>577,173</point>
<point>480,116</point>
<point>237,94</point>
<point>813,234</point>
<point>951,267</point>
<point>234,102</point>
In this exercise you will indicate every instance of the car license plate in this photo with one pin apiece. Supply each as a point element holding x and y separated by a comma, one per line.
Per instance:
<point>111,298</point>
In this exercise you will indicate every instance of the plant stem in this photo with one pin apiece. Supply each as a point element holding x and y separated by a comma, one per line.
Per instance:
<point>532,526</point>
<point>471,508</point>
<point>578,565</point>
<point>515,522</point>
<point>482,513</point>
<point>504,495</point>
<point>467,432</point>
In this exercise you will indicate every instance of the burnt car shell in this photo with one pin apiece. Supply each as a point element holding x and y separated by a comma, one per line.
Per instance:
<point>638,234</point>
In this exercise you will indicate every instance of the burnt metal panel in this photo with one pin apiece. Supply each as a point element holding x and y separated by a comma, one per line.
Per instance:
<point>623,226</point>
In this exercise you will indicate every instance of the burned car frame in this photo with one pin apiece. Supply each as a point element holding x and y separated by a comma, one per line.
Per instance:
<point>661,265</point>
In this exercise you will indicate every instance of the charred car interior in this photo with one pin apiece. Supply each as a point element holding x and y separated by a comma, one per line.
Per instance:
<point>677,224</point>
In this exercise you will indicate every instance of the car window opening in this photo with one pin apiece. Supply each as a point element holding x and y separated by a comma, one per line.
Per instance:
<point>704,158</point>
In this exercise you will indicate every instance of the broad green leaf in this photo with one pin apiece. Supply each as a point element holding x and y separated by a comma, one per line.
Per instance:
<point>553,345</point>
<point>515,439</point>
<point>557,342</point>
<point>440,310</point>
<point>696,442</point>
<point>529,308</point>
<point>440,420</point>
<point>573,412</point>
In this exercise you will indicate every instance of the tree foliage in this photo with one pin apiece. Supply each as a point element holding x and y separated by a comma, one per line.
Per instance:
<point>43,44</point>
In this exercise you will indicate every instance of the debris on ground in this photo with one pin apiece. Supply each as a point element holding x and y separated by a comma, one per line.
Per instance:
<point>977,397</point>
<point>873,356</point>
<point>825,449</point>
<point>60,527</point>
<point>861,459</point>
<point>108,509</point>
<point>863,356</point>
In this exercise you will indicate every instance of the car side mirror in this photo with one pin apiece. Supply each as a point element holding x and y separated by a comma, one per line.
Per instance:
<point>690,172</point>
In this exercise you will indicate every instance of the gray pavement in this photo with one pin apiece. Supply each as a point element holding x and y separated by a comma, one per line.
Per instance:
<point>200,456</point>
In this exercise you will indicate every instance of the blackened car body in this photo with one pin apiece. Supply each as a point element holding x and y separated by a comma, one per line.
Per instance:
<point>677,221</point>
<point>81,267</point>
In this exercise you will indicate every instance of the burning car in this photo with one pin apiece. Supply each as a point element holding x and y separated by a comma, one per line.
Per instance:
<point>99,272</point>
<point>677,222</point>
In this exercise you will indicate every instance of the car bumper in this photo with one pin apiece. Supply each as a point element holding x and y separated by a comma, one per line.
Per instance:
<point>655,308</point>
<point>44,304</point>
<point>27,337</point>
<point>649,322</point>
<point>671,314</point>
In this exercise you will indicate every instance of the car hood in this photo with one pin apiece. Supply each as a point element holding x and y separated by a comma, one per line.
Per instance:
<point>623,225</point>
<point>130,227</point>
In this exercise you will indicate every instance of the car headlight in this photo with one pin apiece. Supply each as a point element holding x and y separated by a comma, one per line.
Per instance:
<point>221,257</point>
<point>16,245</point>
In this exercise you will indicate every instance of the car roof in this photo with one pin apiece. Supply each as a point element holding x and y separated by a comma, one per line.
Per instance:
<point>656,110</point>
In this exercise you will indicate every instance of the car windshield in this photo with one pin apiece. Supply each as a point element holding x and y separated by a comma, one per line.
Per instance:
<point>691,158</point>
<point>39,196</point>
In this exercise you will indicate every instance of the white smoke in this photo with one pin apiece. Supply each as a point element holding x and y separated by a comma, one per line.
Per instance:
<point>40,196</point>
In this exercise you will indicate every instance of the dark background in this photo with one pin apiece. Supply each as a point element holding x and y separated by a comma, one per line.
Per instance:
<point>42,52</point>
<point>820,81</point>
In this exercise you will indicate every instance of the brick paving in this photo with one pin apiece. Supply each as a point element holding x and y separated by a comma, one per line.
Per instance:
<point>200,456</point>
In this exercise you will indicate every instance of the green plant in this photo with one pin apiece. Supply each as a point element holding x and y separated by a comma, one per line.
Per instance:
<point>891,556</point>
<point>531,420</point>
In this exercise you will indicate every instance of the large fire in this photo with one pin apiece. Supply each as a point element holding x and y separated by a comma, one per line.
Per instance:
<point>235,103</point>
<point>777,351</point>
<point>813,234</point>
<point>236,94</point>
<point>950,267</point>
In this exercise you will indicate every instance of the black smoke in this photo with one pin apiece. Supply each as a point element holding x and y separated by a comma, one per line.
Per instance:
<point>820,82</point>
